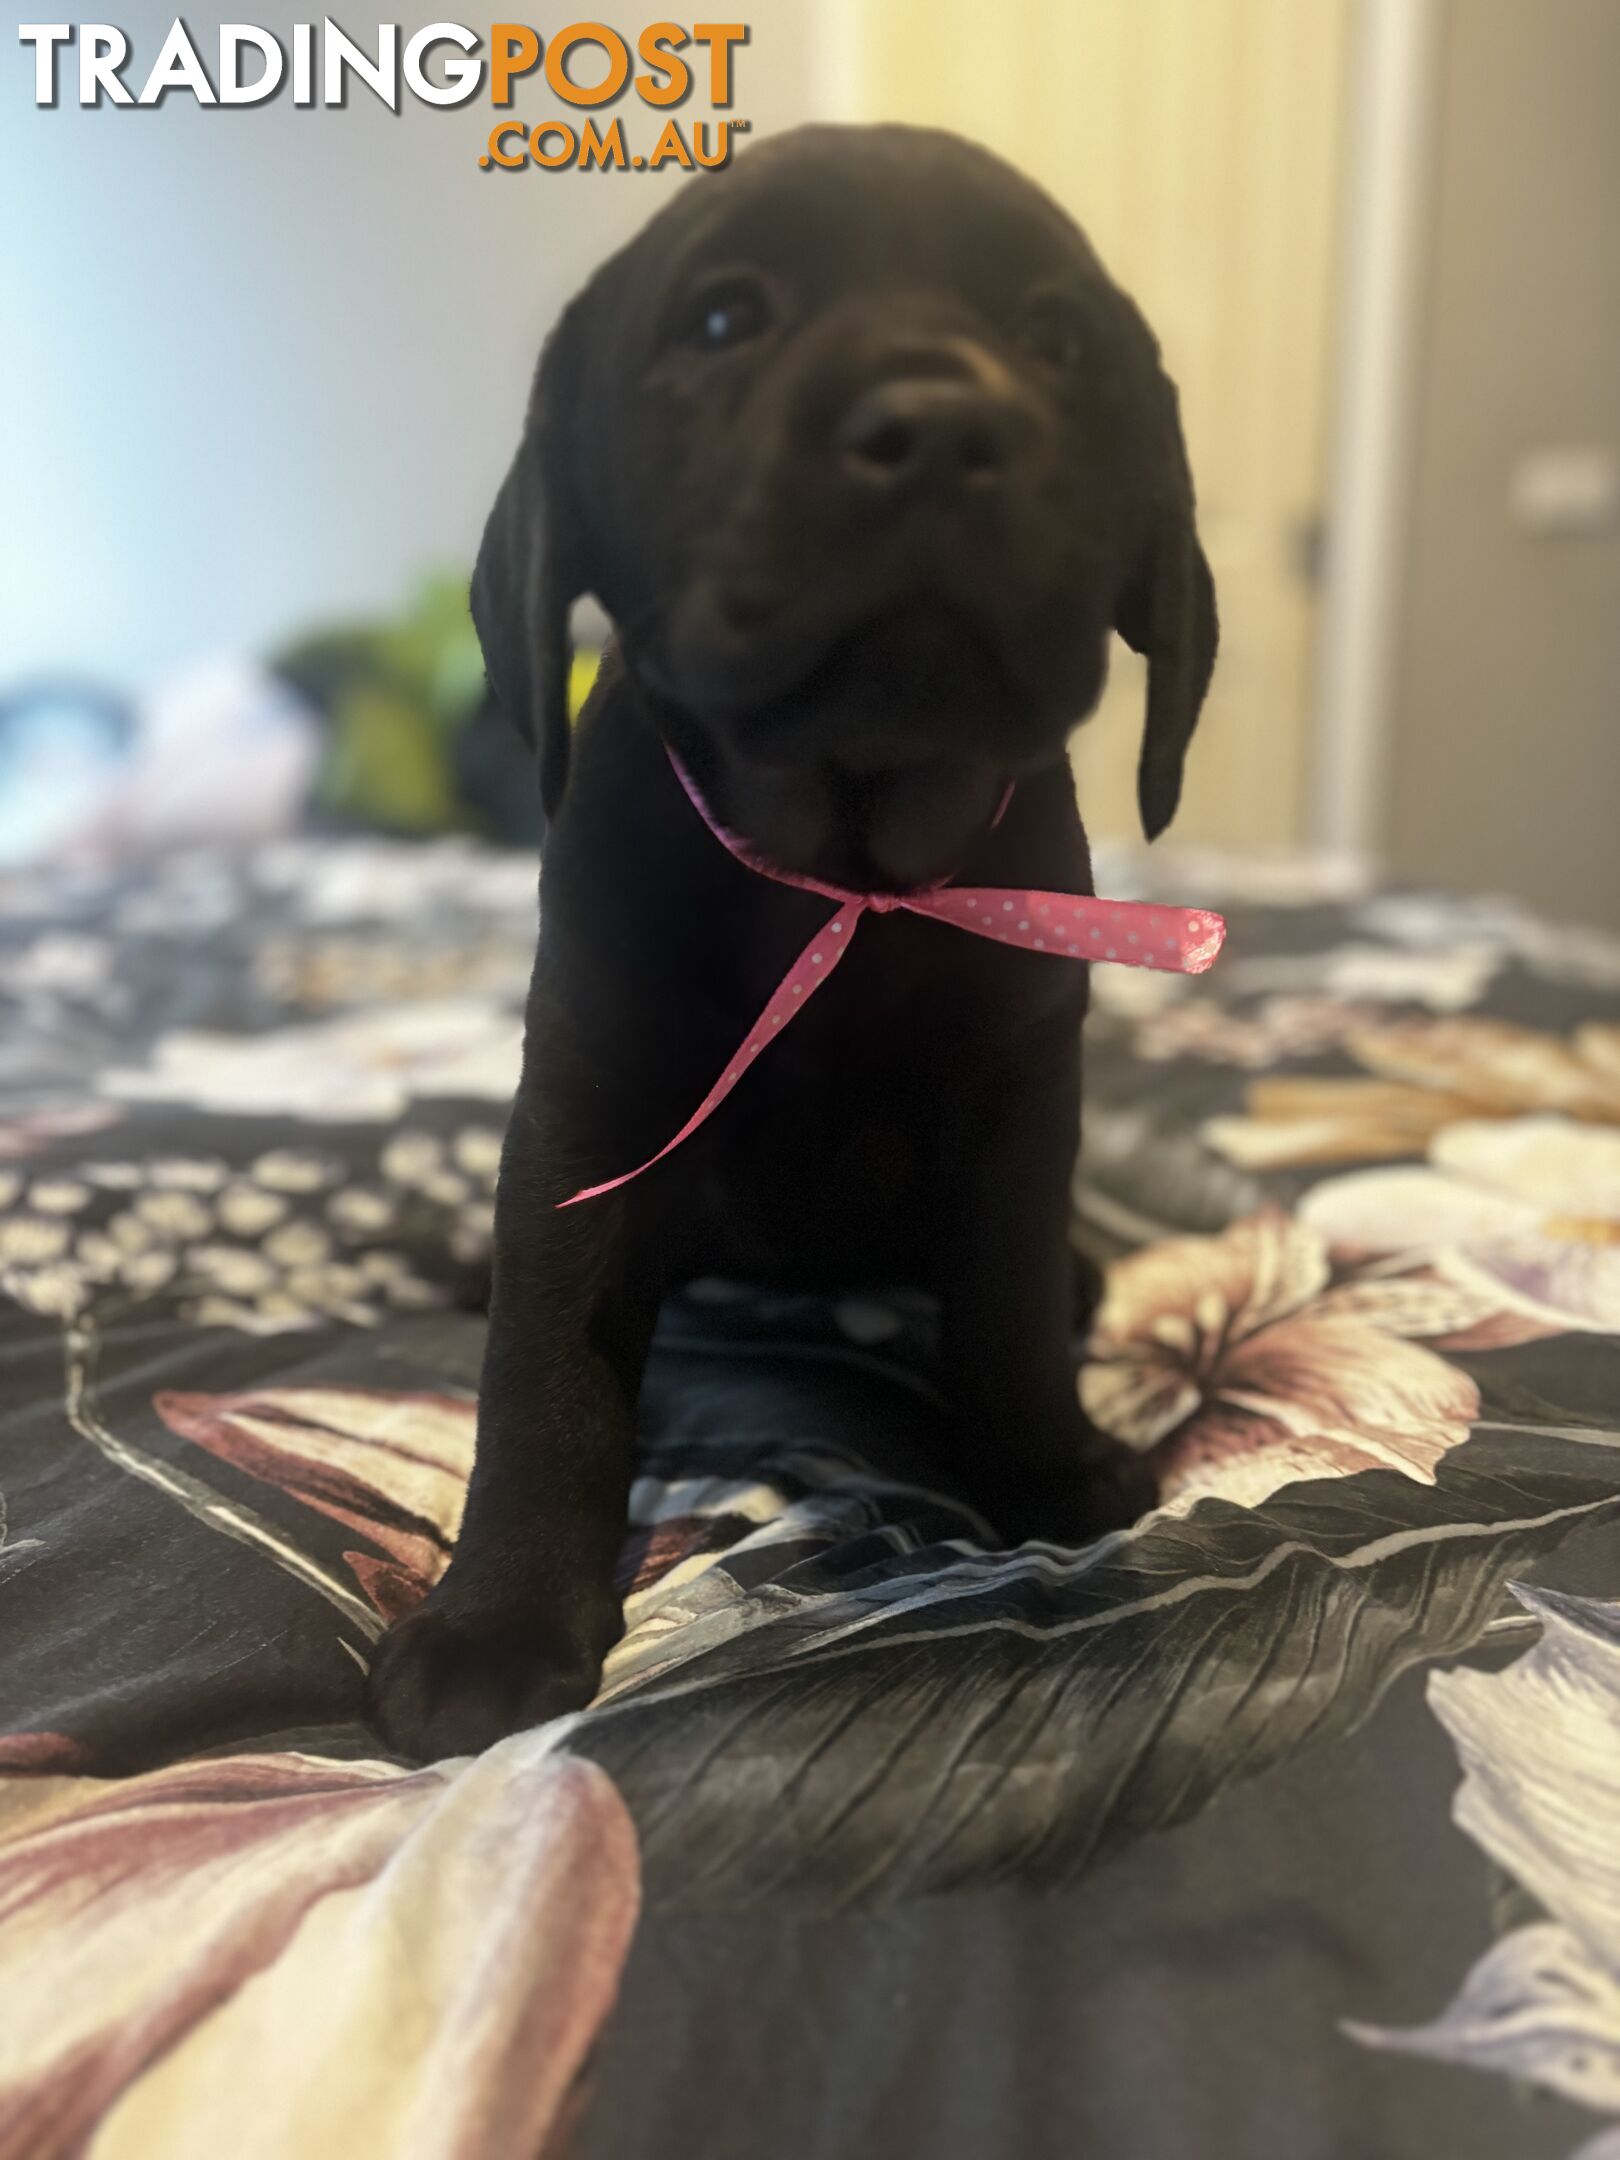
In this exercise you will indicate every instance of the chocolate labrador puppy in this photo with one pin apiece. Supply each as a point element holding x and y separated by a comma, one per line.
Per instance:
<point>865,456</point>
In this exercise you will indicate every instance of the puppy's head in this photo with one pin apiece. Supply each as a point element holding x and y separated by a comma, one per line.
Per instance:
<point>865,455</point>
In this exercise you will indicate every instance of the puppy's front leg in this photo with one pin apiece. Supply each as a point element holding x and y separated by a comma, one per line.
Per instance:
<point>517,1629</point>
<point>1027,1449</point>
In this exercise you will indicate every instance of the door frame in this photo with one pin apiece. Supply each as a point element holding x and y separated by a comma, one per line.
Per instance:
<point>1386,211</point>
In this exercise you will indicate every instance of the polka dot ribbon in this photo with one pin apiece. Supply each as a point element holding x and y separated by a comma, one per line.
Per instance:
<point>1069,926</point>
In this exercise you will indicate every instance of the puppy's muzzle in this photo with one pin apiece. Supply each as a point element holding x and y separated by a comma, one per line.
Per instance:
<point>947,421</point>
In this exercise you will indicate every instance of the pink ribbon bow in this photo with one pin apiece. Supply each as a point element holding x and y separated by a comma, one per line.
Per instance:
<point>1135,933</point>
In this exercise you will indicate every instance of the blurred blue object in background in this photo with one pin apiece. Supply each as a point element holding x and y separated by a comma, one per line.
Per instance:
<point>63,746</point>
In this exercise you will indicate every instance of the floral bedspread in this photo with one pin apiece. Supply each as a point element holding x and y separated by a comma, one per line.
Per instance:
<point>1359,1196</point>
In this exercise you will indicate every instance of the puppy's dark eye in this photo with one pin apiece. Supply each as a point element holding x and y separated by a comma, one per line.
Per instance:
<point>729,312</point>
<point>1056,331</point>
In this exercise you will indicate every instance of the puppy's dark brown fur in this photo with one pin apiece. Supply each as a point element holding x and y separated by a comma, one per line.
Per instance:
<point>865,456</point>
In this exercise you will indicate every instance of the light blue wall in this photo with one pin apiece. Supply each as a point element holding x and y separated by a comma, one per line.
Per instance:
<point>265,365</point>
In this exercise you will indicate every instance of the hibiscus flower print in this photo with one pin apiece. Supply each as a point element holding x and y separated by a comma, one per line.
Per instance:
<point>1528,1211</point>
<point>234,1926</point>
<point>1539,1745</point>
<point>390,1467</point>
<point>1243,1366</point>
<point>1419,1077</point>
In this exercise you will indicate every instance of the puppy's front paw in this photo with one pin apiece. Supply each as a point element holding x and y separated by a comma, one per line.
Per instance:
<point>453,1679</point>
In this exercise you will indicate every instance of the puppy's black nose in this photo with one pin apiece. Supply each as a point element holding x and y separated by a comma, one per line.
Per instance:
<point>917,429</point>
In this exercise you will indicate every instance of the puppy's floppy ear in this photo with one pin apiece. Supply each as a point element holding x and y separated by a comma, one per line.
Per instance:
<point>532,560</point>
<point>1167,613</point>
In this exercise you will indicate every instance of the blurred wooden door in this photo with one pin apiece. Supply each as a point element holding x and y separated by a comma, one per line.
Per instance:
<point>1197,141</point>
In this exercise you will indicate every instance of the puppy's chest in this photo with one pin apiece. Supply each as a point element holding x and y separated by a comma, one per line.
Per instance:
<point>836,1151</point>
<point>834,1159</point>
<point>908,980</point>
<point>825,1165</point>
<point>888,1067</point>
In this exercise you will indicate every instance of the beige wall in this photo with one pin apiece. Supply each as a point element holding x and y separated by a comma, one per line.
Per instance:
<point>1505,758</point>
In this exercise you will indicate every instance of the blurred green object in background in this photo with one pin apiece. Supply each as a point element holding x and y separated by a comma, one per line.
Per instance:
<point>413,744</point>
<point>394,696</point>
